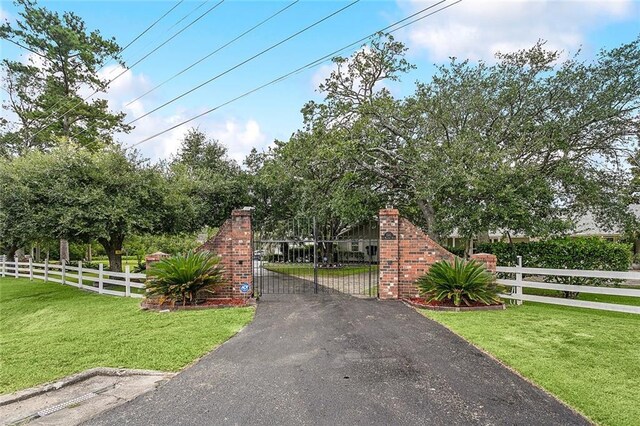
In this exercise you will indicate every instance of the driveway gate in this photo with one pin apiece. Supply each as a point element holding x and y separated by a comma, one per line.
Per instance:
<point>310,257</point>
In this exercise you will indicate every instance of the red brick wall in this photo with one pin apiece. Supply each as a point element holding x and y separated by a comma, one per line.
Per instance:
<point>405,258</point>
<point>388,254</point>
<point>233,244</point>
<point>490,261</point>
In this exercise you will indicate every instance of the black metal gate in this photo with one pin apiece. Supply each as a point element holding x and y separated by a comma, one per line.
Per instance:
<point>304,256</point>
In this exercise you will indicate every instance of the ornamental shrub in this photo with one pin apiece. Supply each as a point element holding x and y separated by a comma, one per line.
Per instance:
<point>459,282</point>
<point>180,277</point>
<point>587,253</point>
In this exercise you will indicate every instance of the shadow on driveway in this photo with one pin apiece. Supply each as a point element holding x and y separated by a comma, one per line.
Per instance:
<point>330,359</point>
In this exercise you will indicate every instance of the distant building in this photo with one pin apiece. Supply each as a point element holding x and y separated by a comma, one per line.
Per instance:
<point>585,227</point>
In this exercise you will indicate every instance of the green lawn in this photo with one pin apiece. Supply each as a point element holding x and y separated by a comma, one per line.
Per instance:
<point>305,269</point>
<point>589,359</point>
<point>48,331</point>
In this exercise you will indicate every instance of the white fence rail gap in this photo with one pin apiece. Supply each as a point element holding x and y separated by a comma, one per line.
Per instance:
<point>99,280</point>
<point>519,283</point>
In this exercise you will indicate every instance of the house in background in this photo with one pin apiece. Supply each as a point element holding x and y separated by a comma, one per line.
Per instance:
<point>585,227</point>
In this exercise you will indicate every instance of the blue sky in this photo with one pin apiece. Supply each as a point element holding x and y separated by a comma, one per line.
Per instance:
<point>473,29</point>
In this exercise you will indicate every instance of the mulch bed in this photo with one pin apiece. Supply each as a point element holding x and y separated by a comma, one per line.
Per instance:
<point>421,302</point>
<point>150,304</point>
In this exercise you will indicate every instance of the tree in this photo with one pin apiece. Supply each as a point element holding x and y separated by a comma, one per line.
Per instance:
<point>45,94</point>
<point>212,181</point>
<point>73,193</point>
<point>522,145</point>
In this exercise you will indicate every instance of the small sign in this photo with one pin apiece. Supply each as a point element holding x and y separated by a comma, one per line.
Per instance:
<point>388,236</point>
<point>118,252</point>
<point>244,288</point>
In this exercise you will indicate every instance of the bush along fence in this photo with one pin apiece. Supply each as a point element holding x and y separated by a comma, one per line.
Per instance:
<point>101,281</point>
<point>523,280</point>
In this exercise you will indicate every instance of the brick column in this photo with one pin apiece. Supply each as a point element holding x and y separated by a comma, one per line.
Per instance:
<point>490,261</point>
<point>241,252</point>
<point>388,253</point>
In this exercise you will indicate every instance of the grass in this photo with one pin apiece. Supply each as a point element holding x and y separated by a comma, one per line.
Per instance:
<point>604,298</point>
<point>49,331</point>
<point>587,358</point>
<point>306,269</point>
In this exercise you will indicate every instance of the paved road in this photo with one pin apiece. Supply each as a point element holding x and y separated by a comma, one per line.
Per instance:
<point>331,359</point>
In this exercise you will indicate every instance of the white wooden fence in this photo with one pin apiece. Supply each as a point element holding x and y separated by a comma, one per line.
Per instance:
<point>99,280</point>
<point>519,283</point>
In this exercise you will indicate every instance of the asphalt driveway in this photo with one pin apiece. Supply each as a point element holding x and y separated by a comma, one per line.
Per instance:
<point>336,360</point>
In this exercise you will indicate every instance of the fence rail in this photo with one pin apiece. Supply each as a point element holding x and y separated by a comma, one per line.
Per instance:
<point>99,280</point>
<point>519,283</point>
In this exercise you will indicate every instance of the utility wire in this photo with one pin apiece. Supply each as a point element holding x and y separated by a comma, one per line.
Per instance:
<point>151,26</point>
<point>175,24</point>
<point>307,66</point>
<point>212,53</point>
<point>244,62</point>
<point>133,65</point>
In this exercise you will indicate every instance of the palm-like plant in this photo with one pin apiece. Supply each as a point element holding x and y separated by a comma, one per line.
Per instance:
<point>181,277</point>
<point>459,282</point>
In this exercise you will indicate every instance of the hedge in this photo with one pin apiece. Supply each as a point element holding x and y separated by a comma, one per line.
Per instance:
<point>587,253</point>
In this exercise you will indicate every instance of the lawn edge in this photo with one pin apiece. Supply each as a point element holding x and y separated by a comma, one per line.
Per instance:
<point>510,368</point>
<point>59,383</point>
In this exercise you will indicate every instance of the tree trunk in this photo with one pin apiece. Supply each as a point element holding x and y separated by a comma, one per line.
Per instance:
<point>64,250</point>
<point>429,216</point>
<point>113,247</point>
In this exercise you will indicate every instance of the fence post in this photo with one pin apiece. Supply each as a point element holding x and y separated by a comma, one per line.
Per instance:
<point>80,274</point>
<point>30,269</point>
<point>15,272</point>
<point>4,265</point>
<point>46,270</point>
<point>127,280</point>
<point>519,281</point>
<point>62,274</point>
<point>100,277</point>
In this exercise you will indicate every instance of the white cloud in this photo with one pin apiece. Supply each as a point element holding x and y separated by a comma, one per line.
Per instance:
<point>478,29</point>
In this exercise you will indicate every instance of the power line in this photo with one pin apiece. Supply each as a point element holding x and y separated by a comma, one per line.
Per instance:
<point>151,26</point>
<point>309,65</point>
<point>213,52</point>
<point>244,62</point>
<point>133,65</point>
<point>175,24</point>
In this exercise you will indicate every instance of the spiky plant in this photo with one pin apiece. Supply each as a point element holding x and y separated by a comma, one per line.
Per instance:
<point>181,277</point>
<point>459,282</point>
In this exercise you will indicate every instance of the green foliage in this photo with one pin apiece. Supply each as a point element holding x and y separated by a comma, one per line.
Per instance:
<point>459,282</point>
<point>46,92</point>
<point>588,253</point>
<point>80,195</point>
<point>180,277</point>
<point>520,144</point>
<point>458,251</point>
<point>139,245</point>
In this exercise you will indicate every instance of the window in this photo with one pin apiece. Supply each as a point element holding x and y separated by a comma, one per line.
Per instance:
<point>355,246</point>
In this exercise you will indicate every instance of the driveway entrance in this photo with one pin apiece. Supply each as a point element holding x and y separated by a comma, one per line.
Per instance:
<point>303,256</point>
<point>331,359</point>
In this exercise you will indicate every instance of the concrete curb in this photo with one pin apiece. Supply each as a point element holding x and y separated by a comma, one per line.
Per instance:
<point>75,378</point>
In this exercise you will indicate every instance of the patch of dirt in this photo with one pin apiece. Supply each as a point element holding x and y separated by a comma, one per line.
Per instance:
<point>421,302</point>
<point>151,304</point>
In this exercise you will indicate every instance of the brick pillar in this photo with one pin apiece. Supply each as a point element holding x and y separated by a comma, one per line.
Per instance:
<point>241,252</point>
<point>490,261</point>
<point>389,253</point>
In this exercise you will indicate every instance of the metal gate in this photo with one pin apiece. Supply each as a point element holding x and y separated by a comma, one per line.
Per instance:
<point>304,256</point>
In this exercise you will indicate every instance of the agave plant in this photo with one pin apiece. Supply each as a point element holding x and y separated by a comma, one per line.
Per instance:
<point>459,282</point>
<point>181,277</point>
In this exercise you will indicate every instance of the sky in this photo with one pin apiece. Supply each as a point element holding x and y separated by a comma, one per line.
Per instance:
<point>471,29</point>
